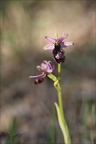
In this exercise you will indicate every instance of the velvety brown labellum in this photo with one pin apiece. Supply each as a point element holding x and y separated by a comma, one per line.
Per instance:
<point>59,55</point>
<point>38,80</point>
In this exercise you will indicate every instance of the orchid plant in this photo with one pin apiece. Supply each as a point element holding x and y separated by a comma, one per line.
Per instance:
<point>47,67</point>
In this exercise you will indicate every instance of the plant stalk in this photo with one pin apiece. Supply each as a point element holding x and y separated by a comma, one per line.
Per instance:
<point>65,130</point>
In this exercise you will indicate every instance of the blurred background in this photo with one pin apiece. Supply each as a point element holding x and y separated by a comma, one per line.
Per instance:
<point>23,27</point>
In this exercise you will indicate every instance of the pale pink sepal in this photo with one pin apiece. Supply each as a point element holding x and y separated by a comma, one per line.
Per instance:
<point>38,76</point>
<point>62,38</point>
<point>50,39</point>
<point>49,47</point>
<point>66,44</point>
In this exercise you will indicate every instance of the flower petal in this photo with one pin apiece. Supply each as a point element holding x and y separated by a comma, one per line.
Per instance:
<point>66,44</point>
<point>62,38</point>
<point>46,66</point>
<point>43,75</point>
<point>50,39</point>
<point>50,67</point>
<point>43,67</point>
<point>49,47</point>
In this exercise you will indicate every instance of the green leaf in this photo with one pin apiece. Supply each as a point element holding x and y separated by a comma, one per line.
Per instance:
<point>12,131</point>
<point>59,117</point>
<point>53,127</point>
<point>63,125</point>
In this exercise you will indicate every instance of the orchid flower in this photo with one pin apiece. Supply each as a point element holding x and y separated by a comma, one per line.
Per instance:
<point>57,47</point>
<point>46,67</point>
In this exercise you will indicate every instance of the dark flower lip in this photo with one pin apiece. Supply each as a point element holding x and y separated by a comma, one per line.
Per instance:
<point>44,68</point>
<point>59,56</point>
<point>61,60</point>
<point>38,80</point>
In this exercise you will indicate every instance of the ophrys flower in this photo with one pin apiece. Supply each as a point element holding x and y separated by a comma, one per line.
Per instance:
<point>57,46</point>
<point>44,68</point>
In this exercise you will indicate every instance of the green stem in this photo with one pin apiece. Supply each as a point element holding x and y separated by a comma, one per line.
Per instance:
<point>65,128</point>
<point>59,88</point>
